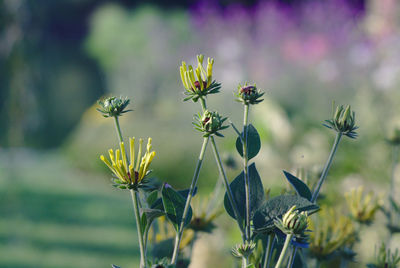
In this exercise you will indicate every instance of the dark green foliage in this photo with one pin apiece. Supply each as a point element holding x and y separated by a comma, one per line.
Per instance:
<point>238,190</point>
<point>300,187</point>
<point>273,208</point>
<point>174,204</point>
<point>253,142</point>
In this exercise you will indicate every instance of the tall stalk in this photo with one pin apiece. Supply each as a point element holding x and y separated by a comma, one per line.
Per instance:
<point>284,249</point>
<point>188,201</point>
<point>135,202</point>
<point>224,177</point>
<point>245,171</point>
<point>327,166</point>
<point>268,250</point>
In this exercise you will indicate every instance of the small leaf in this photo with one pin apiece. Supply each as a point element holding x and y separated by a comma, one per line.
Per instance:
<point>250,266</point>
<point>152,214</point>
<point>273,208</point>
<point>300,187</point>
<point>239,194</point>
<point>253,142</point>
<point>152,198</point>
<point>143,221</point>
<point>115,266</point>
<point>159,205</point>
<point>174,204</point>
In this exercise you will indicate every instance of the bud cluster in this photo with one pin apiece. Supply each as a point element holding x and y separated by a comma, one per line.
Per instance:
<point>343,121</point>
<point>113,106</point>
<point>293,222</point>
<point>198,82</point>
<point>249,94</point>
<point>243,250</point>
<point>210,123</point>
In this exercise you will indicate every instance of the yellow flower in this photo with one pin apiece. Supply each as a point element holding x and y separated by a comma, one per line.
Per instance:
<point>363,207</point>
<point>198,81</point>
<point>330,232</point>
<point>130,172</point>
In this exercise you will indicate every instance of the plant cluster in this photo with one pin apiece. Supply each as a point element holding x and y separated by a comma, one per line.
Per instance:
<point>276,231</point>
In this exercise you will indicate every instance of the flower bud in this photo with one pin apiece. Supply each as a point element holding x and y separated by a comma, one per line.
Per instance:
<point>210,123</point>
<point>243,250</point>
<point>293,222</point>
<point>113,106</point>
<point>343,121</point>
<point>363,207</point>
<point>249,94</point>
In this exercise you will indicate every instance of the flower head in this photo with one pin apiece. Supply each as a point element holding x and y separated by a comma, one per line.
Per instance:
<point>129,174</point>
<point>363,206</point>
<point>210,123</point>
<point>248,94</point>
<point>293,222</point>
<point>113,106</point>
<point>343,121</point>
<point>385,258</point>
<point>198,82</point>
<point>243,250</point>
<point>331,232</point>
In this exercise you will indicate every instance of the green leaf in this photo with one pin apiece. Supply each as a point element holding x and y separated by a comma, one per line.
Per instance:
<point>273,208</point>
<point>174,204</point>
<point>152,214</point>
<point>239,193</point>
<point>158,204</point>
<point>143,221</point>
<point>300,187</point>
<point>253,142</point>
<point>250,266</point>
<point>152,197</point>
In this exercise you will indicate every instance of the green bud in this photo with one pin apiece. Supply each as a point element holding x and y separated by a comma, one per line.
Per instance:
<point>243,250</point>
<point>293,222</point>
<point>249,94</point>
<point>343,121</point>
<point>113,106</point>
<point>210,123</point>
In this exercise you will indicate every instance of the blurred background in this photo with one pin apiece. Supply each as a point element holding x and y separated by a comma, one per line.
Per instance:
<point>57,58</point>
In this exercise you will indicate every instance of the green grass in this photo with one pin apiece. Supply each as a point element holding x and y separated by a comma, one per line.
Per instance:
<point>52,215</point>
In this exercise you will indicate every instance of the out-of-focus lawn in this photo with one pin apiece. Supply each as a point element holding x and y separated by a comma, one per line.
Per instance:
<point>52,215</point>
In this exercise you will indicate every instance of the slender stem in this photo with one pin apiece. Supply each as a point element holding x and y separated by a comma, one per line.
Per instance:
<point>226,183</point>
<point>135,202</point>
<point>245,171</point>
<point>292,257</point>
<point>327,167</point>
<point>118,128</point>
<point>245,262</point>
<point>188,200</point>
<point>270,243</point>
<point>224,177</point>
<point>284,249</point>
<point>395,156</point>
<point>343,263</point>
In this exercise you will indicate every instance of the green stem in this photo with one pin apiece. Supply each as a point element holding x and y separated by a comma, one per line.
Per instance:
<point>268,250</point>
<point>327,167</point>
<point>292,257</point>
<point>245,171</point>
<point>224,177</point>
<point>118,128</point>
<point>395,156</point>
<point>188,200</point>
<point>245,262</point>
<point>135,202</point>
<point>284,249</point>
<point>226,183</point>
